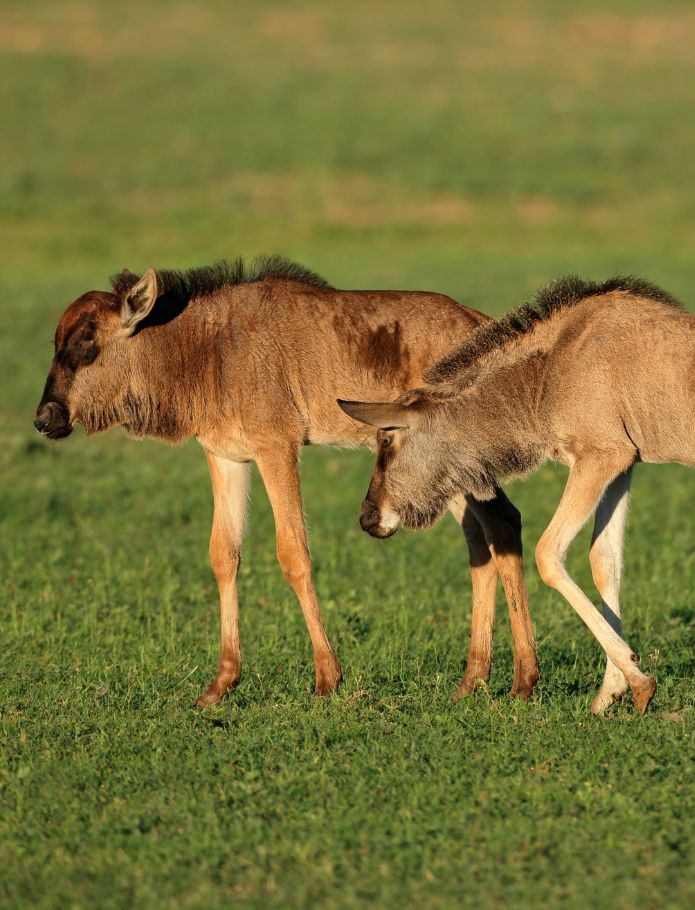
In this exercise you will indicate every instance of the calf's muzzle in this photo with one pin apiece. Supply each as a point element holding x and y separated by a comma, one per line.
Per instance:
<point>370,521</point>
<point>52,420</point>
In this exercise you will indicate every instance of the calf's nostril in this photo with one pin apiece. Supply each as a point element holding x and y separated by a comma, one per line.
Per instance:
<point>43,417</point>
<point>369,517</point>
<point>50,417</point>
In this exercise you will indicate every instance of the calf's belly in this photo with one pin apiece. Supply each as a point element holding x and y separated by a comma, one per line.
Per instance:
<point>672,441</point>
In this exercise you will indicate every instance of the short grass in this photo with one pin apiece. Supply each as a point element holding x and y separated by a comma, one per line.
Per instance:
<point>473,148</point>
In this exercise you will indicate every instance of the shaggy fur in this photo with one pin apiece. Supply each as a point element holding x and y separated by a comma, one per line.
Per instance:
<point>558,294</point>
<point>200,282</point>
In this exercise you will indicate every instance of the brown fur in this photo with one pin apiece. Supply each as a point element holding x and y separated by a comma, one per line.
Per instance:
<point>250,360</point>
<point>597,377</point>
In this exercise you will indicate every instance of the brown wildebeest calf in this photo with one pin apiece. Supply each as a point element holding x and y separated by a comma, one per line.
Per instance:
<point>596,376</point>
<point>250,360</point>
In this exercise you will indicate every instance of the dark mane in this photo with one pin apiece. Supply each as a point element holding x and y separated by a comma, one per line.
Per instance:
<point>558,294</point>
<point>182,286</point>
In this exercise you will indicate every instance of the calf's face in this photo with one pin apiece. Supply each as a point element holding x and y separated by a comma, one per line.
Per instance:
<point>379,518</point>
<point>89,342</point>
<point>410,483</point>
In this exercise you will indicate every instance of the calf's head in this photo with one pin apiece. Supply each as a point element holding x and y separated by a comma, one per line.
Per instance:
<point>410,484</point>
<point>90,356</point>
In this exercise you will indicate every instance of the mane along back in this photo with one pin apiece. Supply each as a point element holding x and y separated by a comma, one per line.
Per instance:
<point>558,294</point>
<point>183,286</point>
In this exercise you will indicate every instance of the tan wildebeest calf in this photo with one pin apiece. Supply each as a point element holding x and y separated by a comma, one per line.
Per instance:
<point>250,360</point>
<point>596,376</point>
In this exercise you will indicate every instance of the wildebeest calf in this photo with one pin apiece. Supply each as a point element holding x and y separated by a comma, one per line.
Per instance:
<point>250,360</point>
<point>596,376</point>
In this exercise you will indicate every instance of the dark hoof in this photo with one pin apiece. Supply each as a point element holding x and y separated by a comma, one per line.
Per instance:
<point>326,687</point>
<point>524,683</point>
<point>469,686</point>
<point>216,691</point>
<point>523,693</point>
<point>328,677</point>
<point>643,693</point>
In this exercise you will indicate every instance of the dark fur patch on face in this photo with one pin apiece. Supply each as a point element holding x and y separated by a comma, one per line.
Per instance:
<point>183,286</point>
<point>387,448</point>
<point>76,342</point>
<point>561,293</point>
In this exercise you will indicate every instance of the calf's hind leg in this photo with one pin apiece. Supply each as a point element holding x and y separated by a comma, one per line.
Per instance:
<point>588,479</point>
<point>606,560</point>
<point>230,486</point>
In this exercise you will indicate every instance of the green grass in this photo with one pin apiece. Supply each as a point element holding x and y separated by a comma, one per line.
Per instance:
<point>477,149</point>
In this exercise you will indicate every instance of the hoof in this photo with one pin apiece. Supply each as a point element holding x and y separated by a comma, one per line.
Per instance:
<point>643,693</point>
<point>469,686</point>
<point>206,699</point>
<point>605,699</point>
<point>524,683</point>
<point>216,691</point>
<point>522,692</point>
<point>328,677</point>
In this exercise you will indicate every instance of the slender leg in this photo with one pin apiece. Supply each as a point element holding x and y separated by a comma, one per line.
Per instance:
<point>280,475</point>
<point>501,523</point>
<point>484,583</point>
<point>230,486</point>
<point>606,561</point>
<point>587,481</point>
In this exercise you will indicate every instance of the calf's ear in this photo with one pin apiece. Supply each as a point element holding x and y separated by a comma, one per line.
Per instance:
<point>139,300</point>
<point>387,415</point>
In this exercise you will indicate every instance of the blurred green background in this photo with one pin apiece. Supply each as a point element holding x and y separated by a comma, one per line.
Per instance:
<point>478,149</point>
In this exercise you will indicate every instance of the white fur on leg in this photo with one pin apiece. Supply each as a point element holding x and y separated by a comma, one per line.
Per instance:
<point>614,686</point>
<point>606,557</point>
<point>584,490</point>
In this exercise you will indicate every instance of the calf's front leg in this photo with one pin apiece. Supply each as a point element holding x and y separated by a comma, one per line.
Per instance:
<point>484,595</point>
<point>230,486</point>
<point>588,479</point>
<point>279,470</point>
<point>493,535</point>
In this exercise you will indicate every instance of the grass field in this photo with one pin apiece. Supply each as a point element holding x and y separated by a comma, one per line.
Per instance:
<point>474,148</point>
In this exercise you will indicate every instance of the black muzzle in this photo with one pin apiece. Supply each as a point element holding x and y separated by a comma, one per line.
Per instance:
<point>52,420</point>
